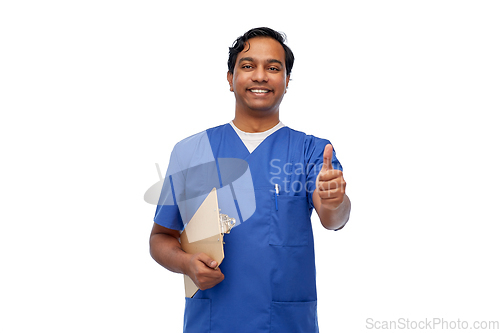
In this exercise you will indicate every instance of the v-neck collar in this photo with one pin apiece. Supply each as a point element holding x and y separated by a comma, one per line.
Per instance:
<point>242,145</point>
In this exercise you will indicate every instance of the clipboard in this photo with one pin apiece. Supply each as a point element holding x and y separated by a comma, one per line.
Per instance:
<point>204,233</point>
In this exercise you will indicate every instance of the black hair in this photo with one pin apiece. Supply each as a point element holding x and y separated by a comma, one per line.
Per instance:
<point>239,45</point>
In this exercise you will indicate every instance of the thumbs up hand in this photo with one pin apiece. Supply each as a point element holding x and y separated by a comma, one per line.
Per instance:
<point>330,182</point>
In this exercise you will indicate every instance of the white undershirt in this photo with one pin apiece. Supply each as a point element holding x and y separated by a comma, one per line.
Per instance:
<point>253,140</point>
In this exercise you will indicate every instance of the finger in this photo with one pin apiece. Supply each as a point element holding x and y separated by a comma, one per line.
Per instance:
<point>210,282</point>
<point>207,260</point>
<point>332,203</point>
<point>331,193</point>
<point>337,183</point>
<point>329,175</point>
<point>327,157</point>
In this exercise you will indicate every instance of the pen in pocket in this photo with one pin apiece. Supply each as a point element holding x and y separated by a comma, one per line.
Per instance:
<point>276,194</point>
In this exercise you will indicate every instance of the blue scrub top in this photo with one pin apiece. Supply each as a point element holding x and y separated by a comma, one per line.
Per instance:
<point>269,267</point>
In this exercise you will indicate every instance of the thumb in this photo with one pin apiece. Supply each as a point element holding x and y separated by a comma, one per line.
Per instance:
<point>207,260</point>
<point>327,157</point>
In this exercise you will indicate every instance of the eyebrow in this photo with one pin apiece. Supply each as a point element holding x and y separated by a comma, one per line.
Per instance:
<point>269,61</point>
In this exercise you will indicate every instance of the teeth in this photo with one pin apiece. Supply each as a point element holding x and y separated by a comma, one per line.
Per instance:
<point>259,91</point>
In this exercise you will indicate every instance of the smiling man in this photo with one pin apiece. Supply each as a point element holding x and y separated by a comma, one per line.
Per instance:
<point>259,80</point>
<point>267,281</point>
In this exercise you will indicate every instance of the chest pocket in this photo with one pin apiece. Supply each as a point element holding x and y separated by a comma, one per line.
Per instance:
<point>290,221</point>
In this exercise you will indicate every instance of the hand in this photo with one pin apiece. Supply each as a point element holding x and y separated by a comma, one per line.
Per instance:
<point>330,183</point>
<point>204,271</point>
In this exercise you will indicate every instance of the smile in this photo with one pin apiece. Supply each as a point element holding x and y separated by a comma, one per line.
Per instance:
<point>259,91</point>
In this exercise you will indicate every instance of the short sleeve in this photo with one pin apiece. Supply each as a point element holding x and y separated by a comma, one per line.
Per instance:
<point>167,211</point>
<point>190,176</point>
<point>314,148</point>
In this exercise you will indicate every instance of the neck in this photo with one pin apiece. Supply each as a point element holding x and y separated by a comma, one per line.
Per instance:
<point>255,124</point>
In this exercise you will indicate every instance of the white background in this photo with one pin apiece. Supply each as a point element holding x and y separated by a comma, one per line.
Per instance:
<point>94,93</point>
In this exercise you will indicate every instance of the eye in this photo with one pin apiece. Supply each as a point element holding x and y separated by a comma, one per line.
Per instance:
<point>246,66</point>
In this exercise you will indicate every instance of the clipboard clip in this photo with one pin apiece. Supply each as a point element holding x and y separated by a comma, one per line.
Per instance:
<point>226,223</point>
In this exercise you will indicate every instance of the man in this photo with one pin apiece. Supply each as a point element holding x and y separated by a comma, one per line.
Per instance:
<point>266,282</point>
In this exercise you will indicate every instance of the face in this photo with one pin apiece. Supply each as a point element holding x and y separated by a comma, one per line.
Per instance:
<point>259,79</point>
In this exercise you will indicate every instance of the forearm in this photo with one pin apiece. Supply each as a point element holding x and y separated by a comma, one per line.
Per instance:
<point>333,219</point>
<point>166,251</point>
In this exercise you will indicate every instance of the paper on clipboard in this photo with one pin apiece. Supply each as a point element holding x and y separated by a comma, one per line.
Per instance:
<point>206,231</point>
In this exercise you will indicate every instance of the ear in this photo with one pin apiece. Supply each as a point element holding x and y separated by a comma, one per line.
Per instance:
<point>287,80</point>
<point>230,80</point>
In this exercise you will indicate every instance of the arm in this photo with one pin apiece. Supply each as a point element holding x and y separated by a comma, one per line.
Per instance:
<point>330,201</point>
<point>165,249</point>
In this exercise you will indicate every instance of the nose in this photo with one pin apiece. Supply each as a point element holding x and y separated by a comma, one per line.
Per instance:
<point>259,74</point>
